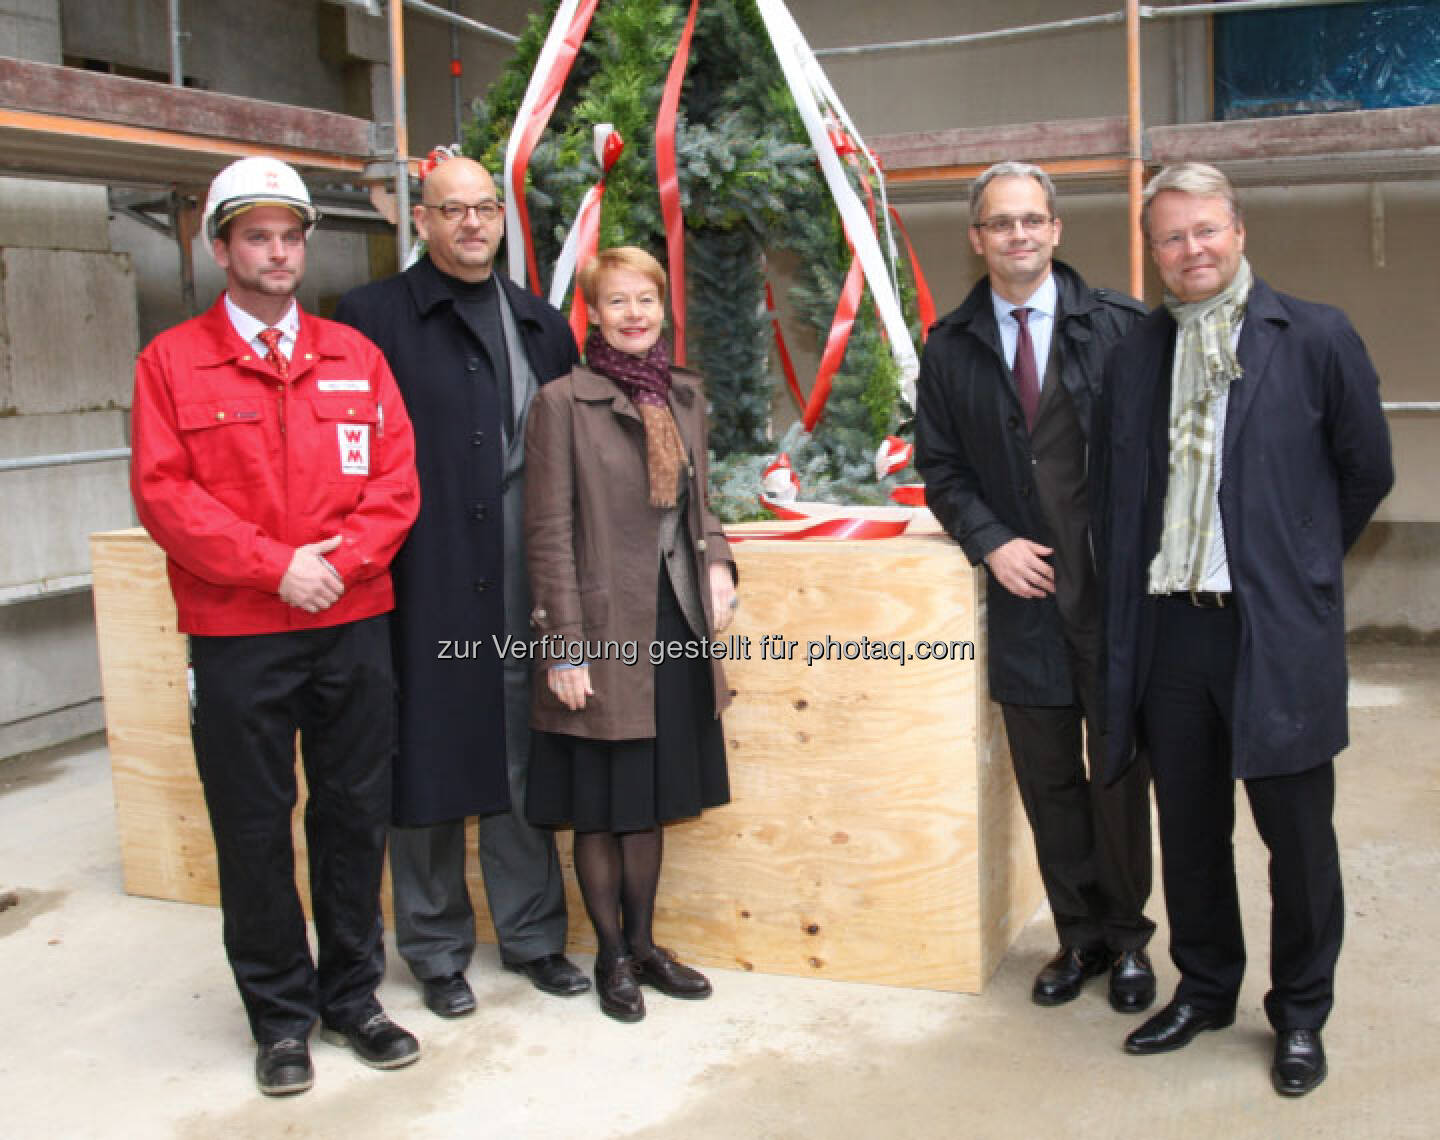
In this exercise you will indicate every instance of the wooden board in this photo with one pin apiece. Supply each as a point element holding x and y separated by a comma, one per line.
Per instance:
<point>874,835</point>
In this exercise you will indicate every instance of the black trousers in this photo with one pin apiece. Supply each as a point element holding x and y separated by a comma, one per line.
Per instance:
<point>1186,718</point>
<point>336,688</point>
<point>1092,841</point>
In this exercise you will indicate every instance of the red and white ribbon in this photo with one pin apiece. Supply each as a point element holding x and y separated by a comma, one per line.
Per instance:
<point>778,482</point>
<point>557,56</point>
<point>893,455</point>
<point>826,520</point>
<point>814,97</point>
<point>583,240</point>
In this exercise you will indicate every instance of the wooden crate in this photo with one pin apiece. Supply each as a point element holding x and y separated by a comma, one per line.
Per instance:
<point>875,832</point>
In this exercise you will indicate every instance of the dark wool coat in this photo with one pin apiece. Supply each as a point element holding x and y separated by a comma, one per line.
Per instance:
<point>1305,462</point>
<point>450,574</point>
<point>593,541</point>
<point>973,451</point>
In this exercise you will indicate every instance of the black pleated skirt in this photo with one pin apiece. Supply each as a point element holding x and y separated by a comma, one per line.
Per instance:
<point>631,785</point>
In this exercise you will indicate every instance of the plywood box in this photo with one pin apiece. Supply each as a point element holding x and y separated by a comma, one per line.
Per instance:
<point>875,833</point>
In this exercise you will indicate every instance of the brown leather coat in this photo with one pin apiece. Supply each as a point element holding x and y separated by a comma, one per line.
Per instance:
<point>593,547</point>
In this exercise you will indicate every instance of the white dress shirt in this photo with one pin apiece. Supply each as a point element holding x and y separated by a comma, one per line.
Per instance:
<point>1041,322</point>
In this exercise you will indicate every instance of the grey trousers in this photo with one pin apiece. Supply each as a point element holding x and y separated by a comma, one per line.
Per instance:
<point>434,918</point>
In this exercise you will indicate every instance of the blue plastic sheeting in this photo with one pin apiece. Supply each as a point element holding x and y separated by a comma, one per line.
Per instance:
<point>1348,58</point>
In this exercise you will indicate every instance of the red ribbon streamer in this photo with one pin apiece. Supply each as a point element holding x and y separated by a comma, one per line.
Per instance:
<point>908,494</point>
<point>588,223</point>
<point>835,343</point>
<point>587,241</point>
<point>786,364</point>
<point>923,299</point>
<point>539,119</point>
<point>669,179</point>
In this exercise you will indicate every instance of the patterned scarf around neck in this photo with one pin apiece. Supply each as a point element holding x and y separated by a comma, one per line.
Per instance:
<point>646,380</point>
<point>1205,367</point>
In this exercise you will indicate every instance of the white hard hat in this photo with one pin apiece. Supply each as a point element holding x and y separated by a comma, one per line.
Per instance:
<point>251,182</point>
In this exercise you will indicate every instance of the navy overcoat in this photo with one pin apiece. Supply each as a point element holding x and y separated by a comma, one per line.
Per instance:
<point>1305,462</point>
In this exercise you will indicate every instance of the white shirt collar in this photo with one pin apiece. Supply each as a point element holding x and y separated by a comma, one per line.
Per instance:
<point>1043,301</point>
<point>250,328</point>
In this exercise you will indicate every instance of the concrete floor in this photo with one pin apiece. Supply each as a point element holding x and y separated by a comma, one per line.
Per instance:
<point>121,1019</point>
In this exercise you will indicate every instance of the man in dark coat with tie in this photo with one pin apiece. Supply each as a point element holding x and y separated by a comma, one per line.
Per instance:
<point>1247,451</point>
<point>468,349</point>
<point>1008,387</point>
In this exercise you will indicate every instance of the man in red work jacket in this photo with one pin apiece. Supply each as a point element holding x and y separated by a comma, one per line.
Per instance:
<point>274,463</point>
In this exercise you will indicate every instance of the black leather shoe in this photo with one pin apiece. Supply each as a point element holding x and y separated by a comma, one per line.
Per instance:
<point>378,1041</point>
<point>1174,1027</point>
<point>1132,982</point>
<point>1064,975</point>
<point>450,996</point>
<point>553,974</point>
<point>283,1068</point>
<point>1299,1061</point>
<point>620,995</point>
<point>660,970</point>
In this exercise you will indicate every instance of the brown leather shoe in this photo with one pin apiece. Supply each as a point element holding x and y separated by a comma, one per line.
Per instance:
<point>620,997</point>
<point>660,969</point>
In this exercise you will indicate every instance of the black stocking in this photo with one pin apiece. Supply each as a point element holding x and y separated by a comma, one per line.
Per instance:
<point>597,868</point>
<point>640,853</point>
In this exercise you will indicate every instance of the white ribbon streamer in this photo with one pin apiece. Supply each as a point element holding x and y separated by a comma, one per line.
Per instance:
<point>565,264</point>
<point>559,28</point>
<point>808,85</point>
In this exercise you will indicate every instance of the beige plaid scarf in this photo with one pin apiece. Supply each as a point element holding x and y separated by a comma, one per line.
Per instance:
<point>1204,370</point>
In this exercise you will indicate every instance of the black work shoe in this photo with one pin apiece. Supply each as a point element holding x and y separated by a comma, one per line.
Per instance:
<point>1174,1027</point>
<point>1299,1061</point>
<point>660,970</point>
<point>1064,975</point>
<point>1132,982</point>
<point>283,1068</point>
<point>615,985</point>
<point>552,974</point>
<point>378,1041</point>
<point>450,996</point>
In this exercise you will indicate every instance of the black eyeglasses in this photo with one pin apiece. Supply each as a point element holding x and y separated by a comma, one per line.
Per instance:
<point>453,211</point>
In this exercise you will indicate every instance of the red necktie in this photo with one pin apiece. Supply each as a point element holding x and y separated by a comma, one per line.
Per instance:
<point>271,337</point>
<point>1026,379</point>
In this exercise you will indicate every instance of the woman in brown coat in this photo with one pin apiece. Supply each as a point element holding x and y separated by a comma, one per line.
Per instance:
<point>631,575</point>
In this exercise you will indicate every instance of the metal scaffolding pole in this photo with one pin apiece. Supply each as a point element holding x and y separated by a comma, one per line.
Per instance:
<point>402,133</point>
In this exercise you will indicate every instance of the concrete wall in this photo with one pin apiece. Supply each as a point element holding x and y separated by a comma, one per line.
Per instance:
<point>67,335</point>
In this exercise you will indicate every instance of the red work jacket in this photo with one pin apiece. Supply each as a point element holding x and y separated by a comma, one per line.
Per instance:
<point>233,468</point>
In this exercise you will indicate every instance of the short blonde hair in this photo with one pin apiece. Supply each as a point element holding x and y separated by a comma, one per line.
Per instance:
<point>628,257</point>
<point>1197,178</point>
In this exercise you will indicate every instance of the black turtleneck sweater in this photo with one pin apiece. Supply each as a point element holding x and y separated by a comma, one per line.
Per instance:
<point>478,305</point>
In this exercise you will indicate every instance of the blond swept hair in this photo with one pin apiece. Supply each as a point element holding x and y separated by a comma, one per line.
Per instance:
<point>629,257</point>
<point>1197,178</point>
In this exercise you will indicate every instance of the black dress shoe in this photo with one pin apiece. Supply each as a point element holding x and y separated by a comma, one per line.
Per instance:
<point>620,995</point>
<point>450,996</point>
<point>377,1041</point>
<point>1174,1027</point>
<point>1299,1061</point>
<point>660,970</point>
<point>1132,982</point>
<point>283,1068</point>
<point>553,974</point>
<point>1064,975</point>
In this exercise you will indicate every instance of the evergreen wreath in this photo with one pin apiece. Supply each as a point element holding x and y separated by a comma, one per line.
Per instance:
<point>749,182</point>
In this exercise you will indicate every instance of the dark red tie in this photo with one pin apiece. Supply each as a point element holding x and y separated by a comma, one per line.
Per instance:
<point>1026,379</point>
<point>271,337</point>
